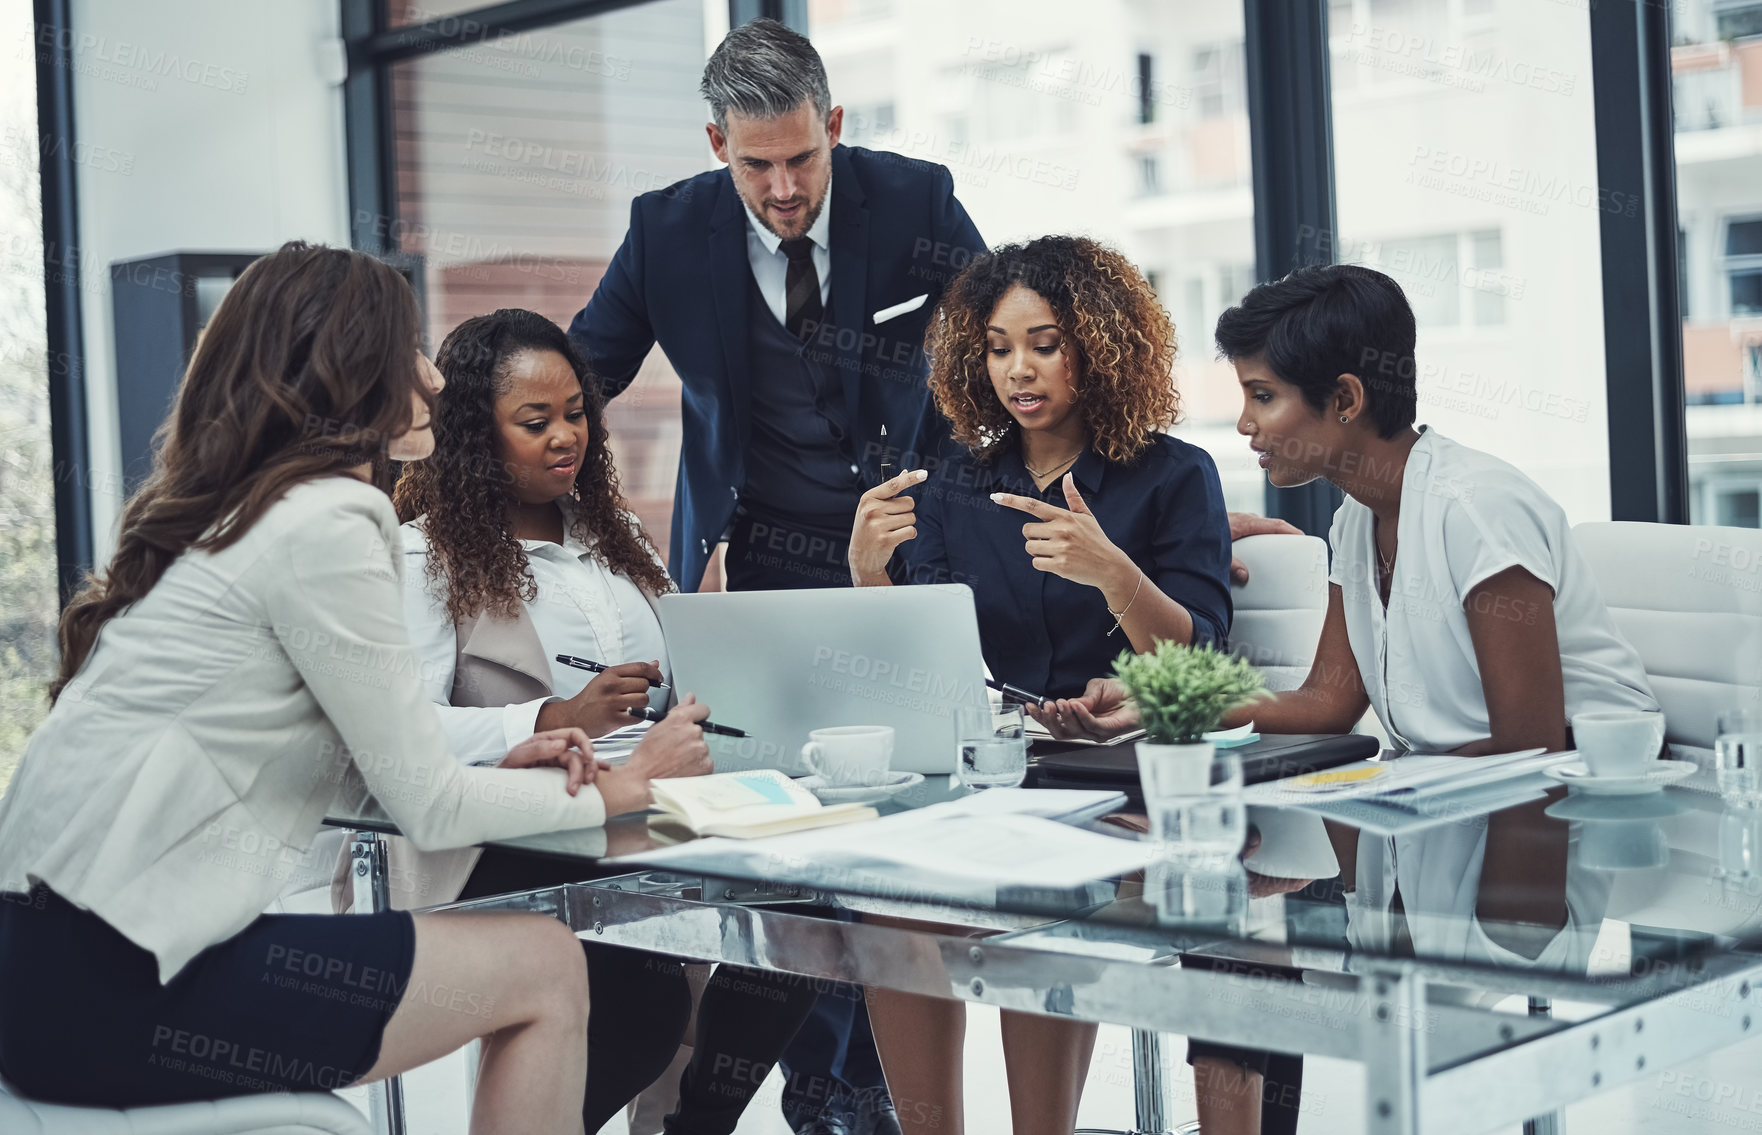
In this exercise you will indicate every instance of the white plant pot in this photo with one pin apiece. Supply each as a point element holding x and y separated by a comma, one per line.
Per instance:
<point>1168,771</point>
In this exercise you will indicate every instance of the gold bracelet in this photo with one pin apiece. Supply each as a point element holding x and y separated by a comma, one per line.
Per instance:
<point>1121,613</point>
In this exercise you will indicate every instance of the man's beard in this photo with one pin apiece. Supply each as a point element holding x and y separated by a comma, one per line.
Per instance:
<point>811,215</point>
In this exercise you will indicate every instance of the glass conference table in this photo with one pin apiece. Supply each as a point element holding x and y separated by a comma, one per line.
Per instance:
<point>1488,966</point>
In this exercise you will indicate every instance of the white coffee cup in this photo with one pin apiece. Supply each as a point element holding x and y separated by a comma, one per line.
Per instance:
<point>1618,742</point>
<point>850,754</point>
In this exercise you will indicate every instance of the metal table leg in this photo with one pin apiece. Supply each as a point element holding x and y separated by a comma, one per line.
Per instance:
<point>1392,1046</point>
<point>368,867</point>
<point>1554,1122</point>
<point>1150,1092</point>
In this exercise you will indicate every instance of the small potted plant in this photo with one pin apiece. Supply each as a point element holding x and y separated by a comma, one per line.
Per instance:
<point>1182,692</point>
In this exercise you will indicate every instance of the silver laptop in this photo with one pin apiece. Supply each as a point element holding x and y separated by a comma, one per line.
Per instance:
<point>780,663</point>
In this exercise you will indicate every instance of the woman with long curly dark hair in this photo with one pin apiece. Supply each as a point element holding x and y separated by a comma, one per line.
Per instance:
<point>518,547</point>
<point>519,516</point>
<point>1053,362</point>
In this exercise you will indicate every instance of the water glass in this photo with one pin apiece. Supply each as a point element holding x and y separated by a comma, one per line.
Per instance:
<point>993,746</point>
<point>1740,846</point>
<point>1196,893</point>
<point>1737,756</point>
<point>1197,825</point>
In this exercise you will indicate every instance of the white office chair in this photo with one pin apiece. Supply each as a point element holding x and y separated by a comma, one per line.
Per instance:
<point>1277,624</point>
<point>1690,602</point>
<point>306,1113</point>
<point>1280,610</point>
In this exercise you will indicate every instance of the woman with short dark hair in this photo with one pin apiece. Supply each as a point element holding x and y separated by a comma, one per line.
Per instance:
<point>1459,609</point>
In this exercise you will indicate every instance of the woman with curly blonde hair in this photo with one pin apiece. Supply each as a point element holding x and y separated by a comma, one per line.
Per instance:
<point>1053,361</point>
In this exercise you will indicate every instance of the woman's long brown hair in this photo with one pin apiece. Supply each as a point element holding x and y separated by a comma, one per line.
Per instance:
<point>306,369</point>
<point>464,492</point>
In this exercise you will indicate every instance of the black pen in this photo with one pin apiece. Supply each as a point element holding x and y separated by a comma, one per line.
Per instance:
<point>1014,694</point>
<point>650,713</point>
<point>886,465</point>
<point>600,668</point>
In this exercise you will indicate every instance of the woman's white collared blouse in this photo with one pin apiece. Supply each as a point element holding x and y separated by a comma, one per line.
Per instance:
<point>1465,517</point>
<point>583,608</point>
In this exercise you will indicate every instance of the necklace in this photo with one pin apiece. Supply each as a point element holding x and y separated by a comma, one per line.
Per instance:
<point>1059,468</point>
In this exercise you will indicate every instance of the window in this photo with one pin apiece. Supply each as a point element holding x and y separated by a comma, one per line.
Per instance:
<point>28,599</point>
<point>1743,266</point>
<point>1719,204</point>
<point>1738,508</point>
<point>1146,87</point>
<point>518,157</point>
<point>1735,20</point>
<point>1219,83</point>
<point>1452,280</point>
<point>1486,227</point>
<point>1130,126</point>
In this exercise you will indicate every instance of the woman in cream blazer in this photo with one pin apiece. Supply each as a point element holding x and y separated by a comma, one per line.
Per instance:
<point>241,661</point>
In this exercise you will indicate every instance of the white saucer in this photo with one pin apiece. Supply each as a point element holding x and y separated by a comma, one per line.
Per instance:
<point>1591,808</point>
<point>1577,776</point>
<point>860,793</point>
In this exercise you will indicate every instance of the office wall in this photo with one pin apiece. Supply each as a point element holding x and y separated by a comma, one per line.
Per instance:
<point>204,125</point>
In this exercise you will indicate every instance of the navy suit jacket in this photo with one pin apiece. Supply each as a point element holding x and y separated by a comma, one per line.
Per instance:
<point>680,280</point>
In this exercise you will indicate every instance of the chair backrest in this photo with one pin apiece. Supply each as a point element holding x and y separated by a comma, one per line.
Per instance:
<point>1280,610</point>
<point>1690,602</point>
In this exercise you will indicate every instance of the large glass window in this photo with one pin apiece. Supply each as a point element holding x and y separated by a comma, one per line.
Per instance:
<point>517,159</point>
<point>27,491</point>
<point>1465,167</point>
<point>1716,70</point>
<point>1127,122</point>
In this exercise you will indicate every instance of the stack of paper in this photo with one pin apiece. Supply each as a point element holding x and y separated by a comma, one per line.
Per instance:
<point>1413,791</point>
<point>962,849</point>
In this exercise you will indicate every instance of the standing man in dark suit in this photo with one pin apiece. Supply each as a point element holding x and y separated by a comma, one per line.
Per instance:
<point>790,291</point>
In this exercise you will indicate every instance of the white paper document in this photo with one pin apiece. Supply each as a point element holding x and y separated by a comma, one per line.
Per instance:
<point>941,849</point>
<point>1408,779</point>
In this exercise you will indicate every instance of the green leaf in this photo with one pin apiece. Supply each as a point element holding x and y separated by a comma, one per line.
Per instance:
<point>1182,692</point>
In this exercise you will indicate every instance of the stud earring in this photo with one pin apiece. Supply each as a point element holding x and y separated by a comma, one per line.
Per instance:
<point>1342,419</point>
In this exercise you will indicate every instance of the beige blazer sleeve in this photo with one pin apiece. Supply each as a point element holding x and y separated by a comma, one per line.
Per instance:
<point>337,610</point>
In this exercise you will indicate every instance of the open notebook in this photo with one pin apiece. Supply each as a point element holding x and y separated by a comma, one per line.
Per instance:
<point>746,805</point>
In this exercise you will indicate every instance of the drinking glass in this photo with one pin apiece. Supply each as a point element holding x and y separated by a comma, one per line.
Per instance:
<point>993,746</point>
<point>1737,755</point>
<point>1197,892</point>
<point>1207,826</point>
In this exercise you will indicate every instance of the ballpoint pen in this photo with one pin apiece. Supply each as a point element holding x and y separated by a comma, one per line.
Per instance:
<point>600,668</point>
<point>650,713</point>
<point>886,463</point>
<point>1014,694</point>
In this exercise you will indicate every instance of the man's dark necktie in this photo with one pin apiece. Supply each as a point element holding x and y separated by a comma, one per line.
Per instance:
<point>801,288</point>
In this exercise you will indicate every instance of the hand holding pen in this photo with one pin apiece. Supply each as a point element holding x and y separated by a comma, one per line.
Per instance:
<point>647,713</point>
<point>599,707</point>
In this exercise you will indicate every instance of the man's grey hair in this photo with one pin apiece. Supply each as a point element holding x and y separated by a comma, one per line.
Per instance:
<point>762,69</point>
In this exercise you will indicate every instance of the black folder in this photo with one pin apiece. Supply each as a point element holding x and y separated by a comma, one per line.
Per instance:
<point>1055,764</point>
